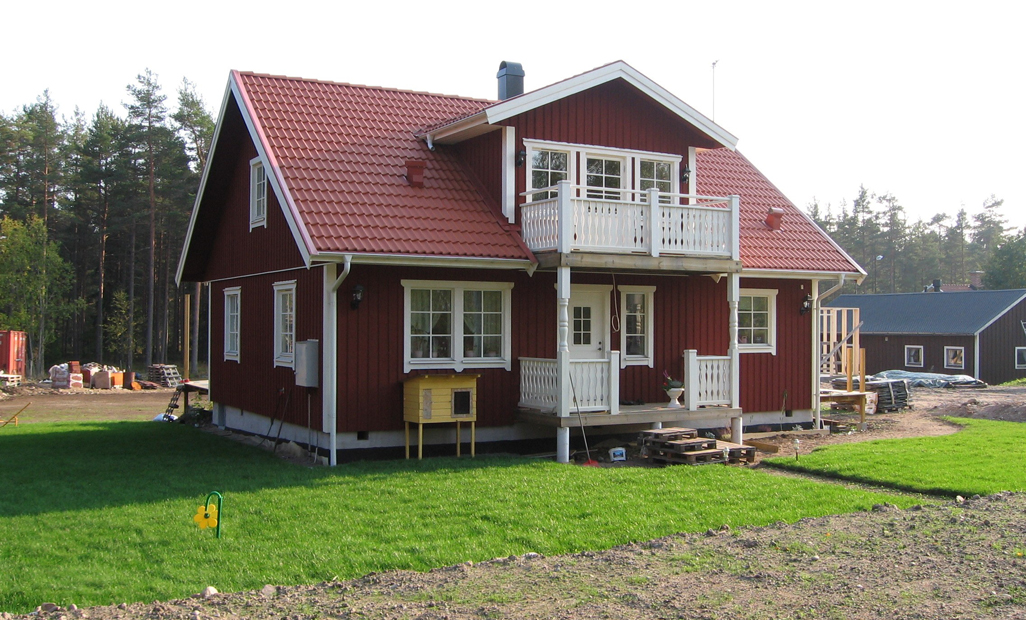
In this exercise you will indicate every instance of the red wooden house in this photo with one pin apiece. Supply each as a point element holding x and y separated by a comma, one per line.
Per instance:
<point>568,245</point>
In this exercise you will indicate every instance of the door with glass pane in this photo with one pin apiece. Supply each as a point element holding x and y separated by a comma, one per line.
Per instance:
<point>589,324</point>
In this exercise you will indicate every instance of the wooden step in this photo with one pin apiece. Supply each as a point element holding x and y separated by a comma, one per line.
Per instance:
<point>737,452</point>
<point>669,433</point>
<point>698,457</point>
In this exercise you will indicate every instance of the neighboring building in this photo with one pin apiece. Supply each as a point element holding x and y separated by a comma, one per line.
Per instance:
<point>976,333</point>
<point>413,233</point>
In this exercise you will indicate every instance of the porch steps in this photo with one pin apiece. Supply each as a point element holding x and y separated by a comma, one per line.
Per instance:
<point>684,446</point>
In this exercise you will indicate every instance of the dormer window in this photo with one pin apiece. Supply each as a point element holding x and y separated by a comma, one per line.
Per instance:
<point>257,194</point>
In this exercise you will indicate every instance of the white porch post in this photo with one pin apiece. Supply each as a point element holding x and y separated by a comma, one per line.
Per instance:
<point>816,348</point>
<point>614,382</point>
<point>691,380</point>
<point>563,353</point>
<point>654,222</point>
<point>733,294</point>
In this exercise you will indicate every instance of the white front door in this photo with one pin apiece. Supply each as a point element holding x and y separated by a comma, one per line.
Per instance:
<point>589,323</point>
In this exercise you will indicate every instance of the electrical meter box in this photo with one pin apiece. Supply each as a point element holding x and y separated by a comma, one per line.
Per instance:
<point>440,398</point>
<point>307,362</point>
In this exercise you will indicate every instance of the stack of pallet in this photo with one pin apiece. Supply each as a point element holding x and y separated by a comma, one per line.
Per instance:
<point>892,394</point>
<point>164,374</point>
<point>683,445</point>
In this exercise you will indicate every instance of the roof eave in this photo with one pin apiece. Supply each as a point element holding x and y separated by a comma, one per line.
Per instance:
<point>425,260</point>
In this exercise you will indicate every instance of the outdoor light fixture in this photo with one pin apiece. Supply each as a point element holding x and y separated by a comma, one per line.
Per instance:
<point>806,305</point>
<point>521,158</point>
<point>685,175</point>
<point>357,296</point>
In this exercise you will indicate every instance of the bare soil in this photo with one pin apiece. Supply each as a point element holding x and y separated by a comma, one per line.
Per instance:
<point>961,559</point>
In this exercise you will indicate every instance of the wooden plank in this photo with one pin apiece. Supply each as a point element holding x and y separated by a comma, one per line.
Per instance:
<point>764,446</point>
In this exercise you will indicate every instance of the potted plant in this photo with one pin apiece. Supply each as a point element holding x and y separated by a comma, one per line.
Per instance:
<point>673,390</point>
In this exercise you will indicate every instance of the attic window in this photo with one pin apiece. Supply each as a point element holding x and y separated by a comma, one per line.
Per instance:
<point>257,194</point>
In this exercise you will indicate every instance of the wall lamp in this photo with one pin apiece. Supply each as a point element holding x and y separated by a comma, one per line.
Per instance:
<point>685,175</point>
<point>521,158</point>
<point>357,296</point>
<point>806,305</point>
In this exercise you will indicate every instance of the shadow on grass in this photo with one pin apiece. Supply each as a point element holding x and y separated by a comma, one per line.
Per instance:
<point>81,466</point>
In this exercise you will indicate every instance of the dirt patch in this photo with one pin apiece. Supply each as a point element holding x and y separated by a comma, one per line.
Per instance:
<point>81,405</point>
<point>956,560</point>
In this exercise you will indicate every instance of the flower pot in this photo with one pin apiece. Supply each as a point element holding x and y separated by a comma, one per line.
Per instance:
<point>673,394</point>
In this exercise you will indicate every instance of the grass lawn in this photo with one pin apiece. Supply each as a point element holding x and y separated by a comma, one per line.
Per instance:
<point>984,457</point>
<point>100,513</point>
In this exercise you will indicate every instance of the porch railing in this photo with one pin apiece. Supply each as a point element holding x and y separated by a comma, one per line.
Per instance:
<point>678,224</point>
<point>596,383</point>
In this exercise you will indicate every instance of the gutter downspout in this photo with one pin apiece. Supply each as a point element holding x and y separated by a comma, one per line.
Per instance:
<point>816,337</point>
<point>330,353</point>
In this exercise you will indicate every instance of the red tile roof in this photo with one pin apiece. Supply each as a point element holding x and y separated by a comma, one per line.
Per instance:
<point>799,245</point>
<point>341,144</point>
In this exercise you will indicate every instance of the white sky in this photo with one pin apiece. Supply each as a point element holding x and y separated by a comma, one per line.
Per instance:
<point>924,100</point>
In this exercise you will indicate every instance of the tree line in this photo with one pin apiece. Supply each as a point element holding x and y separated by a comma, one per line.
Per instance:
<point>93,214</point>
<point>903,257</point>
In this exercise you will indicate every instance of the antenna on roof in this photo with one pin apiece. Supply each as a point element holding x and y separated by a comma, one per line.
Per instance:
<point>714,89</point>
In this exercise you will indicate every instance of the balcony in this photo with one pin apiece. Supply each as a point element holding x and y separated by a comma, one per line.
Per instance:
<point>646,223</point>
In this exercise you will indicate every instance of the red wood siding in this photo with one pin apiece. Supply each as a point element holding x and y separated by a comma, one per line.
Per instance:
<point>482,156</point>
<point>252,383</point>
<point>236,249</point>
<point>997,347</point>
<point>888,353</point>
<point>764,377</point>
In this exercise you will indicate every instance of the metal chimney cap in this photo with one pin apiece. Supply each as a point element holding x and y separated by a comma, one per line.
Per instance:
<point>510,68</point>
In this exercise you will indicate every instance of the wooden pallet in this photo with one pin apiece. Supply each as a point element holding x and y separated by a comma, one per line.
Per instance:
<point>736,452</point>
<point>697,457</point>
<point>684,446</point>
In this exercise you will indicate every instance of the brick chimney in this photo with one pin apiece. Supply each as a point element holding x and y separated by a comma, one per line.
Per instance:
<point>415,172</point>
<point>775,218</point>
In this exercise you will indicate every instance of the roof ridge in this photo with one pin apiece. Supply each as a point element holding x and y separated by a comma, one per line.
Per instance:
<point>366,86</point>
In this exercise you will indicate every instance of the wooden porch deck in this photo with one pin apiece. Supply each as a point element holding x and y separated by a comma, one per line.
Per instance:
<point>629,415</point>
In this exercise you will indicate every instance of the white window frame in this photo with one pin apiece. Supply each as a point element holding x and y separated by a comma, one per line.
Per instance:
<point>637,360</point>
<point>946,358</point>
<point>232,353</point>
<point>771,329</point>
<point>630,170</point>
<point>908,349</point>
<point>458,361</point>
<point>282,357</point>
<point>1019,366</point>
<point>257,194</point>
<point>625,180</point>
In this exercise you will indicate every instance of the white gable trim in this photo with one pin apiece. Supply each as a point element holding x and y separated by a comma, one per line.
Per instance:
<point>554,92</point>
<point>275,178</point>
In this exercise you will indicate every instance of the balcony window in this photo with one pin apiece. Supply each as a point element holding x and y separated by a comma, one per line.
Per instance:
<point>603,177</point>
<point>657,174</point>
<point>547,169</point>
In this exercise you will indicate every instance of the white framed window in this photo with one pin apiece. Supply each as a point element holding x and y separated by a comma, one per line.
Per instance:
<point>257,194</point>
<point>1020,358</point>
<point>757,321</point>
<point>604,177</point>
<point>232,309</point>
<point>606,173</point>
<point>954,358</point>
<point>636,325</point>
<point>548,167</point>
<point>914,355</point>
<point>285,324</point>
<point>456,325</point>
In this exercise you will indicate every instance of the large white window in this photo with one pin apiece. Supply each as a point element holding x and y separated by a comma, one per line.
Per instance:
<point>232,308</point>
<point>285,323</point>
<point>954,358</point>
<point>456,325</point>
<point>914,355</point>
<point>606,173</point>
<point>257,194</point>
<point>1020,358</point>
<point>636,325</point>
<point>757,321</point>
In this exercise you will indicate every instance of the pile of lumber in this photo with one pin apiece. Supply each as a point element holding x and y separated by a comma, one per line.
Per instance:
<point>164,374</point>
<point>892,394</point>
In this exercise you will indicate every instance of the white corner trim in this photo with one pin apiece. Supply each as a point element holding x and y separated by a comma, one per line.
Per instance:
<point>509,173</point>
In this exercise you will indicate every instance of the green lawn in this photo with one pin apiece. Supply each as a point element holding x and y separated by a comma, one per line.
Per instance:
<point>102,513</point>
<point>984,457</point>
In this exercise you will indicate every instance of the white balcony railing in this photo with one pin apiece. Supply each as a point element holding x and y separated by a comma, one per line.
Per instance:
<point>681,225</point>
<point>596,383</point>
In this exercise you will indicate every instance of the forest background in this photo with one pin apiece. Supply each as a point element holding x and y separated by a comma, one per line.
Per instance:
<point>93,214</point>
